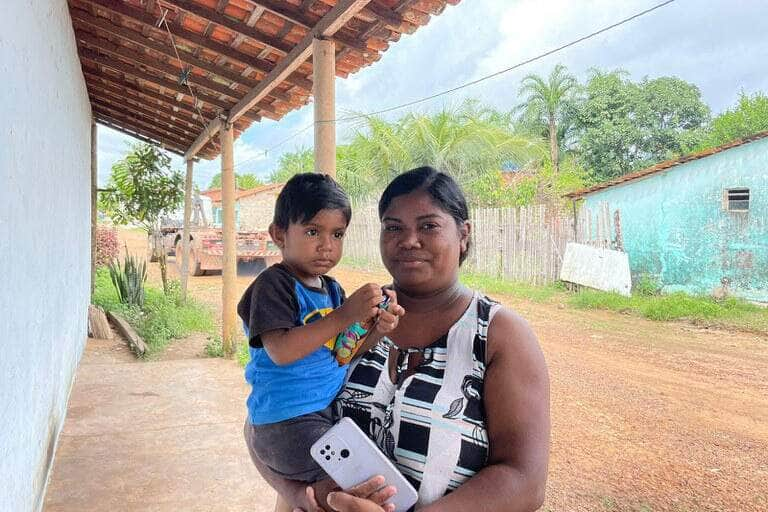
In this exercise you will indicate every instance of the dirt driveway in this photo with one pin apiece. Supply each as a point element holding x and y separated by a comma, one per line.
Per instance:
<point>647,416</point>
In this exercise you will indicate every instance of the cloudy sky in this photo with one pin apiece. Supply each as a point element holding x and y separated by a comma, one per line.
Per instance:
<point>719,45</point>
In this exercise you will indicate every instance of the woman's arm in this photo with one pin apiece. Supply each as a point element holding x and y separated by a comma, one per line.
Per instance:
<point>516,395</point>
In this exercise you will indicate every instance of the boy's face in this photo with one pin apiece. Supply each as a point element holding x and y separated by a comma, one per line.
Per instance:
<point>314,248</point>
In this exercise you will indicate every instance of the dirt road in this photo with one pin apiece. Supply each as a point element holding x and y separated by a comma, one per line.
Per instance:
<point>647,416</point>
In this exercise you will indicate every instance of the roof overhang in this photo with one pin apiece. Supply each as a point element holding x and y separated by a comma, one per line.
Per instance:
<point>174,71</point>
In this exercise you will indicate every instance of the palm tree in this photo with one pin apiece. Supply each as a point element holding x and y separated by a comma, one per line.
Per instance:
<point>468,142</point>
<point>299,161</point>
<point>546,101</point>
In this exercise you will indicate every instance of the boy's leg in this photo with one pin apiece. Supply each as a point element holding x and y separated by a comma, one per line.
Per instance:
<point>281,505</point>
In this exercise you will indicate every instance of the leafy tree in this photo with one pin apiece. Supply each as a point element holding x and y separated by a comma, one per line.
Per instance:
<point>141,189</point>
<point>302,160</point>
<point>242,181</point>
<point>622,126</point>
<point>546,104</point>
<point>749,116</point>
<point>670,111</point>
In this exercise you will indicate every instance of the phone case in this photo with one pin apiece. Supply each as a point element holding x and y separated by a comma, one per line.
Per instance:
<point>351,458</point>
<point>349,341</point>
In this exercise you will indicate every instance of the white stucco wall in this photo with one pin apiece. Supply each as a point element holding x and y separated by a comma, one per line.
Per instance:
<point>44,238</point>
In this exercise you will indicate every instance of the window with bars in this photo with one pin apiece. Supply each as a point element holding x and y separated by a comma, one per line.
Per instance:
<point>737,199</point>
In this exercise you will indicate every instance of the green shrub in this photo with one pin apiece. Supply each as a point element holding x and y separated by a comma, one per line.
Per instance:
<point>646,285</point>
<point>214,347</point>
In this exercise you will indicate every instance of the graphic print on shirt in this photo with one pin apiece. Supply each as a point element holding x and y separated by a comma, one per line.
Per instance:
<point>315,316</point>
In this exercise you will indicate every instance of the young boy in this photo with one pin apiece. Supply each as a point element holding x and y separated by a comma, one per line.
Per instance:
<point>292,314</point>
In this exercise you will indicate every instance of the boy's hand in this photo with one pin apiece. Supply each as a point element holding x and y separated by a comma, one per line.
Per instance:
<point>363,304</point>
<point>389,318</point>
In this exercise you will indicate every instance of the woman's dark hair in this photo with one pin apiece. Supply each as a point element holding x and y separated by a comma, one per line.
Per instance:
<point>306,194</point>
<point>443,190</point>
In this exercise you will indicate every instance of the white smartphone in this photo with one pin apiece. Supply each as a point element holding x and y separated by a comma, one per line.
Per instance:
<point>351,458</point>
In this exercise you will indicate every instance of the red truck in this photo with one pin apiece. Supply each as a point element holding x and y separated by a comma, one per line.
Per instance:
<point>207,245</point>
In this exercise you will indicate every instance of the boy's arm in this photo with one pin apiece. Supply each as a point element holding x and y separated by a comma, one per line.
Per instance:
<point>286,346</point>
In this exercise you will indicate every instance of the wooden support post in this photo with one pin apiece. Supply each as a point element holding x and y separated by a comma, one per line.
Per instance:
<point>94,199</point>
<point>185,231</point>
<point>323,89</point>
<point>229,265</point>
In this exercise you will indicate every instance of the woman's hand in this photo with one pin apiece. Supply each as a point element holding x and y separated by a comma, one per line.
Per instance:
<point>388,319</point>
<point>369,496</point>
<point>344,502</point>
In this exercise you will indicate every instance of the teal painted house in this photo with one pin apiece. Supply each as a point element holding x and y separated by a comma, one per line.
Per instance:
<point>697,224</point>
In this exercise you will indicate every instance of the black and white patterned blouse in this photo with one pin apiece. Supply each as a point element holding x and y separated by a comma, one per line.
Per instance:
<point>432,423</point>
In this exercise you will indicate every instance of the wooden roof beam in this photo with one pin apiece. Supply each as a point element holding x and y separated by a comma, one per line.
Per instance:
<point>278,8</point>
<point>120,87</point>
<point>210,15</point>
<point>110,48</point>
<point>388,17</point>
<point>208,133</point>
<point>188,58</point>
<point>326,27</point>
<point>140,128</point>
<point>148,131</point>
<point>188,124</point>
<point>148,119</point>
<point>97,58</point>
<point>127,131</point>
<point>265,66</point>
<point>115,85</point>
<point>117,94</point>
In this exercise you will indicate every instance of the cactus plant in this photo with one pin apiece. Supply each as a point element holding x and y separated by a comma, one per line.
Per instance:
<point>129,279</point>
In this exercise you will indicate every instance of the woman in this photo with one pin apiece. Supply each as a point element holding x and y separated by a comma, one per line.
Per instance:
<point>458,394</point>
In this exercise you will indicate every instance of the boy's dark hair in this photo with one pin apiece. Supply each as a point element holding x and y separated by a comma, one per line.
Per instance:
<point>443,189</point>
<point>306,194</point>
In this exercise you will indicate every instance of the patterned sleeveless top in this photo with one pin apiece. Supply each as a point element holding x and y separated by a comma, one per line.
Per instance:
<point>432,423</point>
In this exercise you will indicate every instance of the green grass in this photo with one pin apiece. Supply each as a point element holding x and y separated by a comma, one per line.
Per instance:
<point>161,319</point>
<point>530,292</point>
<point>646,301</point>
<point>700,310</point>
<point>360,264</point>
<point>242,355</point>
<point>215,348</point>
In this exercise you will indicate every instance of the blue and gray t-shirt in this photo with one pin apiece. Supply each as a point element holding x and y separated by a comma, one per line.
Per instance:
<point>278,300</point>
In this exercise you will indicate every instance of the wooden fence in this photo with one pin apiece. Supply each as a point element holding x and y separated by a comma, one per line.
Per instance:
<point>517,244</point>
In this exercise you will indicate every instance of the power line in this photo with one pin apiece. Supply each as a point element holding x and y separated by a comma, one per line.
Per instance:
<point>185,73</point>
<point>471,83</point>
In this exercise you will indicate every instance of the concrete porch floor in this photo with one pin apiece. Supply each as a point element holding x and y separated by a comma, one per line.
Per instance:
<point>154,436</point>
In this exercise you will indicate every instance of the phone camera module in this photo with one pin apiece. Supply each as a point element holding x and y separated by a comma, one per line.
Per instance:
<point>344,453</point>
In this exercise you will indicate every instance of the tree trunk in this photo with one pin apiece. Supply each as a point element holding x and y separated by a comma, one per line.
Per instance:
<point>553,149</point>
<point>162,258</point>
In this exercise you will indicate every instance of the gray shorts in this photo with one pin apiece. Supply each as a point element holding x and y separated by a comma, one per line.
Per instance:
<point>284,446</point>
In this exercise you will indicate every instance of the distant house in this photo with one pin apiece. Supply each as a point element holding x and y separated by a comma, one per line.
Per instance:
<point>699,223</point>
<point>254,208</point>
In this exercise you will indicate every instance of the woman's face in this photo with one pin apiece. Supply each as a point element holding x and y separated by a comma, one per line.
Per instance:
<point>421,243</point>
